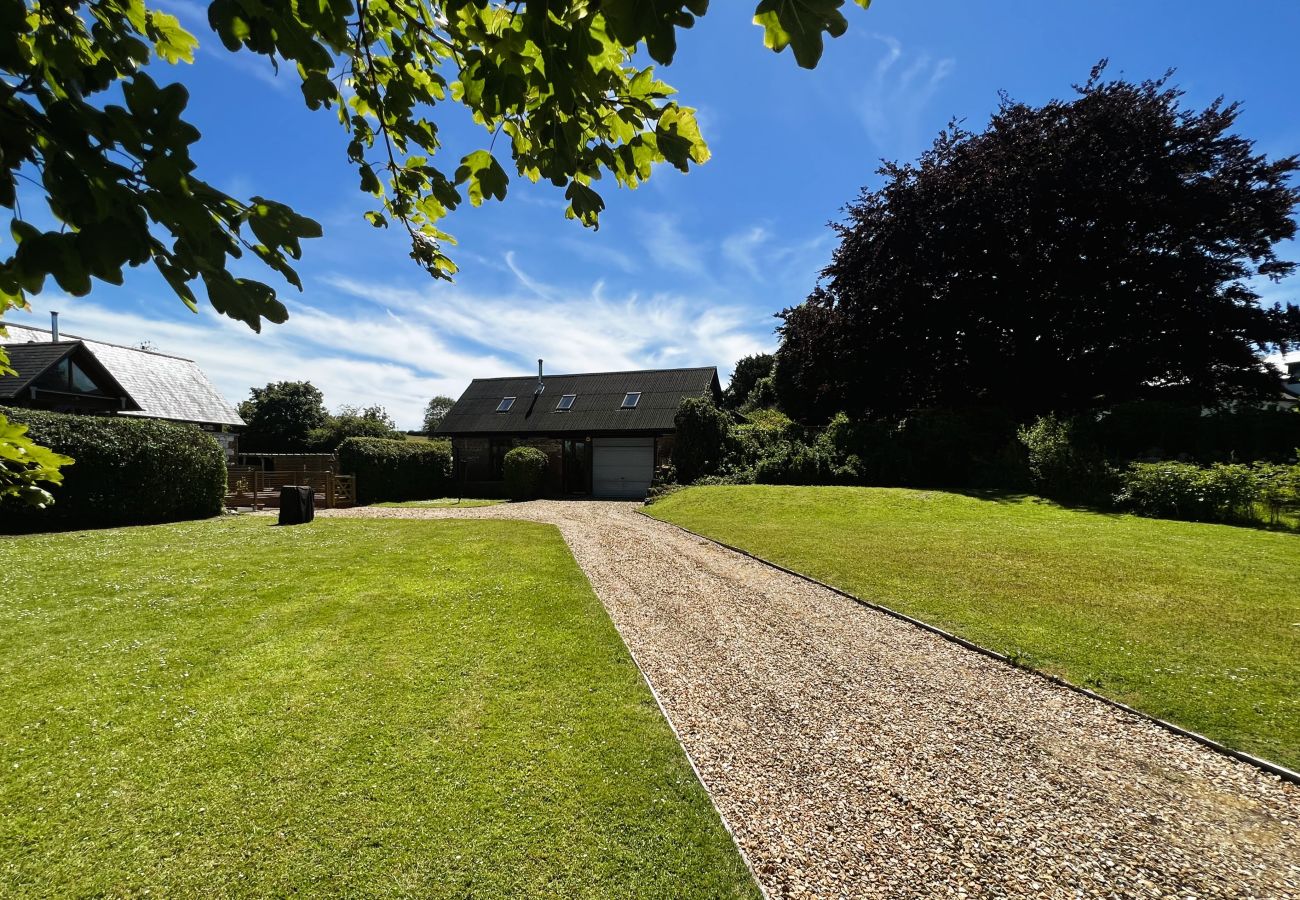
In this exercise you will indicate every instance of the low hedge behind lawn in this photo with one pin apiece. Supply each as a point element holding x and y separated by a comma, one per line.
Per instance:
<point>1227,492</point>
<point>128,471</point>
<point>396,470</point>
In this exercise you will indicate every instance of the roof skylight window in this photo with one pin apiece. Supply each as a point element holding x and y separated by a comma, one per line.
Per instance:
<point>505,404</point>
<point>631,399</point>
<point>566,403</point>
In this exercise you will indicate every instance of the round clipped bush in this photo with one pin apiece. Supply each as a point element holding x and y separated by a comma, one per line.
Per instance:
<point>127,471</point>
<point>525,469</point>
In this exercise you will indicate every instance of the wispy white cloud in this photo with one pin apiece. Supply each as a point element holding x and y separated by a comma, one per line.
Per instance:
<point>576,331</point>
<point>900,87</point>
<point>742,249</point>
<point>398,346</point>
<point>767,257</point>
<point>668,246</point>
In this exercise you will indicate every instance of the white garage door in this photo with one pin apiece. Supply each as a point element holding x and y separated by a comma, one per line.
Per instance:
<point>622,467</point>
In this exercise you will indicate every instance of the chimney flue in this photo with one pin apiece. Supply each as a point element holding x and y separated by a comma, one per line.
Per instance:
<point>541,386</point>
<point>54,325</point>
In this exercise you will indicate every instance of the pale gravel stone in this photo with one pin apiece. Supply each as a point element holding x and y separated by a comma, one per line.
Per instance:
<point>855,755</point>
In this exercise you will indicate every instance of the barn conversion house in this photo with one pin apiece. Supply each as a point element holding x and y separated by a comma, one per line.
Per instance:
<point>66,373</point>
<point>604,434</point>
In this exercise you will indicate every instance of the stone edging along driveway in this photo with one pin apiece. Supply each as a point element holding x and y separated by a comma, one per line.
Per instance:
<point>853,754</point>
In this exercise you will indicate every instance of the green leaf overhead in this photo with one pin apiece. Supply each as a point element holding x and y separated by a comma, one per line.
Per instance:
<point>799,25</point>
<point>484,175</point>
<point>556,86</point>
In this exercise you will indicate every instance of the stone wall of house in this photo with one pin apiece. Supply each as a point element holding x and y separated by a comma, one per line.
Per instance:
<point>474,458</point>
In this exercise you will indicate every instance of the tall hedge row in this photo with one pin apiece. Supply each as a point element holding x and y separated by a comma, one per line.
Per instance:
<point>396,470</point>
<point>127,472</point>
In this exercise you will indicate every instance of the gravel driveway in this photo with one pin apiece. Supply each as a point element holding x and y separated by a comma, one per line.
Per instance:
<point>854,755</point>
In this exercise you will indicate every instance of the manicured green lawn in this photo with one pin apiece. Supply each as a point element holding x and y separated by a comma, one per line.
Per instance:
<point>348,708</point>
<point>1199,624</point>
<point>443,503</point>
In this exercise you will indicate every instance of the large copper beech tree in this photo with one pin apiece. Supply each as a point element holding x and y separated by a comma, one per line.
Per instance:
<point>560,85</point>
<point>1070,256</point>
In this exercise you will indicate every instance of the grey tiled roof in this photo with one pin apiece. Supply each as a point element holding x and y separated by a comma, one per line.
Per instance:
<point>596,407</point>
<point>165,387</point>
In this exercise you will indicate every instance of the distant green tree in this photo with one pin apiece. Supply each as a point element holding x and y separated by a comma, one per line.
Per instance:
<point>281,417</point>
<point>436,411</point>
<point>747,373</point>
<point>352,421</point>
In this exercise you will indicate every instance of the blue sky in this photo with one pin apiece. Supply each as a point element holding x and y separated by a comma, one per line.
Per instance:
<point>687,270</point>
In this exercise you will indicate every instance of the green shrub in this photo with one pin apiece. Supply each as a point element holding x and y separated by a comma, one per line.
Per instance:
<point>744,476</point>
<point>127,471</point>
<point>396,470</point>
<point>1064,465</point>
<point>863,452</point>
<point>1173,490</point>
<point>1279,490</point>
<point>703,438</point>
<point>525,469</point>
<point>793,463</point>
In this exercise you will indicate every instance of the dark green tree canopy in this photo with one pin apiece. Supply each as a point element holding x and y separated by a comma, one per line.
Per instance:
<point>435,411</point>
<point>1070,256</point>
<point>747,373</point>
<point>282,417</point>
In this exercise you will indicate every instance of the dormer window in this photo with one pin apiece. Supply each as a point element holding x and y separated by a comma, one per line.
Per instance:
<point>505,404</point>
<point>631,399</point>
<point>566,403</point>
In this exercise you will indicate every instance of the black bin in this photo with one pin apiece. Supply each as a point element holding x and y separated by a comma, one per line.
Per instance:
<point>297,504</point>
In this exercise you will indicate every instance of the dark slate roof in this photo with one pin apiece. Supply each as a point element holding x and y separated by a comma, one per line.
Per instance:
<point>165,387</point>
<point>596,409</point>
<point>30,361</point>
<point>33,360</point>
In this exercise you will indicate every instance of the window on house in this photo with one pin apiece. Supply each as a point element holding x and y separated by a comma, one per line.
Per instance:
<point>505,404</point>
<point>566,403</point>
<point>631,399</point>
<point>69,377</point>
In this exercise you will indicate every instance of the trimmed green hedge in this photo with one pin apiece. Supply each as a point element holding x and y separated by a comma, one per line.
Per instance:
<point>396,470</point>
<point>128,471</point>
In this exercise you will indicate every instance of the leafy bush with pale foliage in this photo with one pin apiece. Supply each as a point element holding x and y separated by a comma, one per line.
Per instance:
<point>1064,466</point>
<point>1226,492</point>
